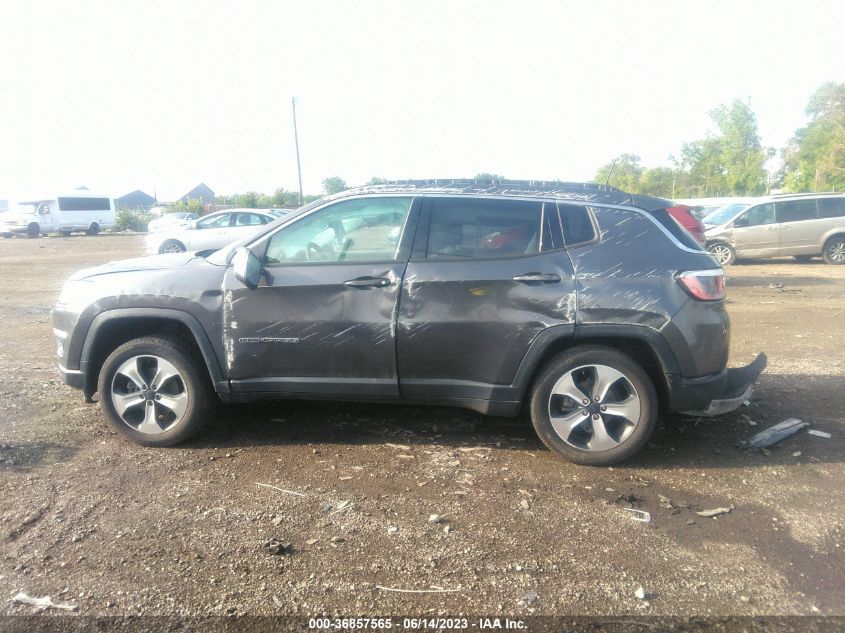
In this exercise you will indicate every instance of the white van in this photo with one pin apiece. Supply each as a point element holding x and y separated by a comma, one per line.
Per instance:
<point>77,211</point>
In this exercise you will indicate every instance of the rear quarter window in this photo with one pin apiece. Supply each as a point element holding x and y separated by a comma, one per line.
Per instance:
<point>678,232</point>
<point>577,224</point>
<point>832,207</point>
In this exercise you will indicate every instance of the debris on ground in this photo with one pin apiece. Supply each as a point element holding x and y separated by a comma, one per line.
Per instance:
<point>714,512</point>
<point>275,546</point>
<point>393,530</point>
<point>433,590</point>
<point>525,505</point>
<point>436,518</point>
<point>665,502</point>
<point>401,447</point>
<point>333,508</point>
<point>529,598</point>
<point>817,433</point>
<point>774,434</point>
<point>42,603</point>
<point>312,541</point>
<point>289,492</point>
<point>640,593</point>
<point>639,515</point>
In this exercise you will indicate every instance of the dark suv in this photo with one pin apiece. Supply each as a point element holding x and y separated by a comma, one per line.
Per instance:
<point>589,306</point>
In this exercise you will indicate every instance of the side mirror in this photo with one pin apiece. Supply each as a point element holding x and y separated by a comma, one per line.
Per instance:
<point>247,267</point>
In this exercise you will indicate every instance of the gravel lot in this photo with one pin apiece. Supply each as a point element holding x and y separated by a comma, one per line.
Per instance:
<point>117,529</point>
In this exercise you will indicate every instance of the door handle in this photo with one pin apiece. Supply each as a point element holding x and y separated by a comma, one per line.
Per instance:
<point>785,227</point>
<point>773,228</point>
<point>368,282</point>
<point>537,278</point>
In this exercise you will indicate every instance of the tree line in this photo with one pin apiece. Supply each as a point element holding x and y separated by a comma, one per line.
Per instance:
<point>730,162</point>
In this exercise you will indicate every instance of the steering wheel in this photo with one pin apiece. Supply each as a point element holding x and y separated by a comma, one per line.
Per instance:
<point>314,252</point>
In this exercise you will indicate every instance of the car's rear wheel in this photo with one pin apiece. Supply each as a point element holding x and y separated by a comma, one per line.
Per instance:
<point>155,391</point>
<point>594,405</point>
<point>93,229</point>
<point>172,246</point>
<point>834,250</point>
<point>33,231</point>
<point>723,253</point>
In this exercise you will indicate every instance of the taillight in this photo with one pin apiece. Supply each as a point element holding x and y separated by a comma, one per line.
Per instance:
<point>704,285</point>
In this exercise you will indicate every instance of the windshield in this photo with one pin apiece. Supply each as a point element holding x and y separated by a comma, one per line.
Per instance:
<point>27,208</point>
<point>724,214</point>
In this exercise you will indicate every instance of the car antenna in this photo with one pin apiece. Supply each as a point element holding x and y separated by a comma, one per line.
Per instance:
<point>610,171</point>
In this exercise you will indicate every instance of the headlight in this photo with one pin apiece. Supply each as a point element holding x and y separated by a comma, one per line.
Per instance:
<point>76,291</point>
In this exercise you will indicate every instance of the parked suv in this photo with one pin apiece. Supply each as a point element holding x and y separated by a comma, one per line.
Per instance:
<point>801,225</point>
<point>589,307</point>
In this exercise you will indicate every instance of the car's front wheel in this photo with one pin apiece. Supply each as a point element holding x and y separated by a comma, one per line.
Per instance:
<point>594,405</point>
<point>723,253</point>
<point>155,391</point>
<point>33,231</point>
<point>172,246</point>
<point>834,250</point>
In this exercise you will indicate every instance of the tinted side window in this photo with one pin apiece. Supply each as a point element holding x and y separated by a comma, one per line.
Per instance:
<point>576,223</point>
<point>832,207</point>
<point>483,228</point>
<point>84,204</point>
<point>761,214</point>
<point>796,210</point>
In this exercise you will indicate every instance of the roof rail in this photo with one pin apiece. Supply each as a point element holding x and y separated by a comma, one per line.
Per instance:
<point>584,192</point>
<point>806,194</point>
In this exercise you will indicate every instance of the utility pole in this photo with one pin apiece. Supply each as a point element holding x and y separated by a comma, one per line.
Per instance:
<point>296,142</point>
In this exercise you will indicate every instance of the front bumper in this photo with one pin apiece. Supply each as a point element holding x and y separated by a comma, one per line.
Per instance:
<point>72,377</point>
<point>715,395</point>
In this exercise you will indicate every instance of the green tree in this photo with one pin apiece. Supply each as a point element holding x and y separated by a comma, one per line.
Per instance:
<point>625,173</point>
<point>659,181</point>
<point>375,180</point>
<point>814,159</point>
<point>248,200</point>
<point>333,185</point>
<point>488,177</point>
<point>742,156</point>
<point>702,162</point>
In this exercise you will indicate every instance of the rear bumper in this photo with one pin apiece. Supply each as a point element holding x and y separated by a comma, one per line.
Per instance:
<point>714,395</point>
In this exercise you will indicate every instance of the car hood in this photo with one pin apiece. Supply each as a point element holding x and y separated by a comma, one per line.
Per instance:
<point>140,264</point>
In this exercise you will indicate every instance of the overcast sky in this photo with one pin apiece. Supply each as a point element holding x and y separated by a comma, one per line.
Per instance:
<point>162,95</point>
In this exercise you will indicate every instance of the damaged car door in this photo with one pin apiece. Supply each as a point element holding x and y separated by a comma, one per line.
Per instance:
<point>322,318</point>
<point>486,276</point>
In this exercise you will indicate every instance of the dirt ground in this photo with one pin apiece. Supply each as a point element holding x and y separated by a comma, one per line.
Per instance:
<point>116,529</point>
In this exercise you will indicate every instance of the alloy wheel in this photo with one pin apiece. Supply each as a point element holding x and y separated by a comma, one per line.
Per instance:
<point>149,394</point>
<point>836,251</point>
<point>594,408</point>
<point>721,253</point>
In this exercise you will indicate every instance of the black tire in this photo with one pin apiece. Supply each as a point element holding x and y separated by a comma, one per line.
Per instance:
<point>722,252</point>
<point>573,360</point>
<point>171,246</point>
<point>33,231</point>
<point>834,250</point>
<point>193,379</point>
<point>803,258</point>
<point>93,229</point>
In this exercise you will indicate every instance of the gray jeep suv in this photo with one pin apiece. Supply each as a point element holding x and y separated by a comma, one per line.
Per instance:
<point>589,307</point>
